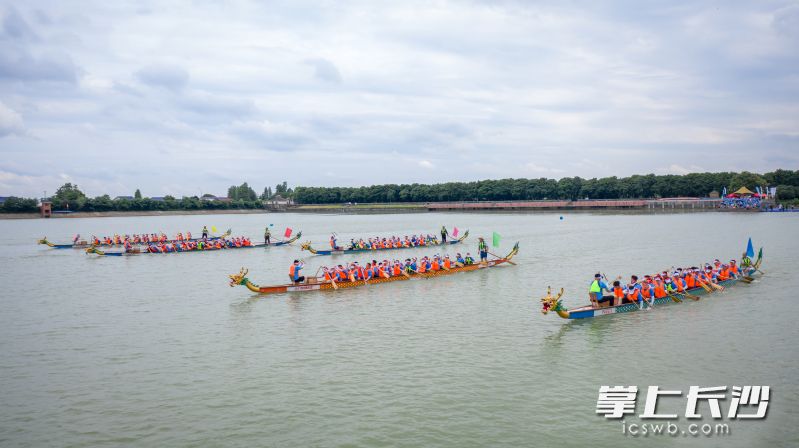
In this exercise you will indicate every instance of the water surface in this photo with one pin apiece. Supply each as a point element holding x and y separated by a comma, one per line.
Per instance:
<point>160,351</point>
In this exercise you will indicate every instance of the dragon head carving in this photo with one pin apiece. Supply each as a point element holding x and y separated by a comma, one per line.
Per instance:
<point>550,302</point>
<point>238,279</point>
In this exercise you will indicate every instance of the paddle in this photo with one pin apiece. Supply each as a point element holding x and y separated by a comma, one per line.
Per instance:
<point>690,296</point>
<point>501,258</point>
<point>674,298</point>
<point>333,282</point>
<point>703,285</point>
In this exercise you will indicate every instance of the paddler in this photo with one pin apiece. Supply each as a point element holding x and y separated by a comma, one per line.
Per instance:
<point>634,292</point>
<point>294,272</point>
<point>734,269</point>
<point>333,242</point>
<point>595,292</point>
<point>483,249</point>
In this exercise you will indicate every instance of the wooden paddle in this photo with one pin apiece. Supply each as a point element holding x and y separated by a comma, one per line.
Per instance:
<point>689,295</point>
<point>501,258</point>
<point>674,298</point>
<point>333,282</point>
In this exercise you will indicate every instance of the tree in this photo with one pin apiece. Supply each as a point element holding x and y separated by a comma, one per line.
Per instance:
<point>67,194</point>
<point>243,191</point>
<point>14,204</point>
<point>787,192</point>
<point>746,179</point>
<point>137,194</point>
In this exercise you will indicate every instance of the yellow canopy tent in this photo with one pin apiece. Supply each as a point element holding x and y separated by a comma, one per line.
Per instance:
<point>743,191</point>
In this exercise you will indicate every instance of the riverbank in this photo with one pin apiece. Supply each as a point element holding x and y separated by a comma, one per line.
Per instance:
<point>135,213</point>
<point>675,205</point>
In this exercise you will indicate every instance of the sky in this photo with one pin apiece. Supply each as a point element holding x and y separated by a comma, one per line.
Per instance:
<point>190,97</point>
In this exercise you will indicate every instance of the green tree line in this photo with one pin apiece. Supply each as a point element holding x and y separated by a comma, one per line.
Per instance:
<point>568,188</point>
<point>70,197</point>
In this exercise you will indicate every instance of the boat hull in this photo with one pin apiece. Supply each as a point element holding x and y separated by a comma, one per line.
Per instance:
<point>240,279</point>
<point>587,312</point>
<point>352,251</point>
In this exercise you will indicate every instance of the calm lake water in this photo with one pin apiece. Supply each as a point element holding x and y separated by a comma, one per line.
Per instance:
<point>160,351</point>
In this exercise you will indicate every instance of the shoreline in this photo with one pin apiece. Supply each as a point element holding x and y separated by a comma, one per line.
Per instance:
<point>370,210</point>
<point>112,214</point>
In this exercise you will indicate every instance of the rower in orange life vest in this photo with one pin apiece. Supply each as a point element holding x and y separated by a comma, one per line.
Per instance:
<point>294,272</point>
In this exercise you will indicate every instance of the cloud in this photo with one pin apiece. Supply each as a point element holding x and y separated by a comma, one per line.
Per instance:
<point>168,76</point>
<point>535,168</point>
<point>293,89</point>
<point>15,26</point>
<point>17,63</point>
<point>786,22</point>
<point>10,121</point>
<point>325,70</point>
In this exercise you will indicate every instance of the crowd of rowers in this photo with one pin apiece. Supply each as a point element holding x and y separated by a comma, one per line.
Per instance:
<point>664,284</point>
<point>190,245</point>
<point>392,242</point>
<point>354,272</point>
<point>155,238</point>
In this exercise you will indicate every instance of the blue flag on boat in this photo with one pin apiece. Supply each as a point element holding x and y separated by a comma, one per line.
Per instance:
<point>750,251</point>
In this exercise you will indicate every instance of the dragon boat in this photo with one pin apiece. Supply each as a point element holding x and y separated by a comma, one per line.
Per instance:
<point>307,246</point>
<point>554,303</point>
<point>83,244</point>
<point>138,251</point>
<point>316,284</point>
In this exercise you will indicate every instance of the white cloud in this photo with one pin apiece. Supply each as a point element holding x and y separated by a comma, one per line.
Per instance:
<point>219,93</point>
<point>10,121</point>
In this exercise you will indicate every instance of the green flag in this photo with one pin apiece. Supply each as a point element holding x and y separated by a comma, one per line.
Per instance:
<point>496,238</point>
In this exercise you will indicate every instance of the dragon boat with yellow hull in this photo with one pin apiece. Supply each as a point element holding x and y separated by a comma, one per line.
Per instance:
<point>315,284</point>
<point>553,303</point>
<point>307,246</point>
<point>137,251</point>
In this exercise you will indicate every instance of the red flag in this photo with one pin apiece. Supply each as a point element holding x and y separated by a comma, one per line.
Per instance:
<point>288,232</point>
<point>455,232</point>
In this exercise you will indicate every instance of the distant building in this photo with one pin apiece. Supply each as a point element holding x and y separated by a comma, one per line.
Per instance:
<point>278,200</point>
<point>216,198</point>
<point>3,199</point>
<point>158,198</point>
<point>125,198</point>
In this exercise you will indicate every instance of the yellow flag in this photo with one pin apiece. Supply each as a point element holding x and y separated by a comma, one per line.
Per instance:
<point>213,229</point>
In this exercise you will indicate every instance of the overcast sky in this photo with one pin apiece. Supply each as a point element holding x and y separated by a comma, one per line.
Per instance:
<point>186,98</point>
